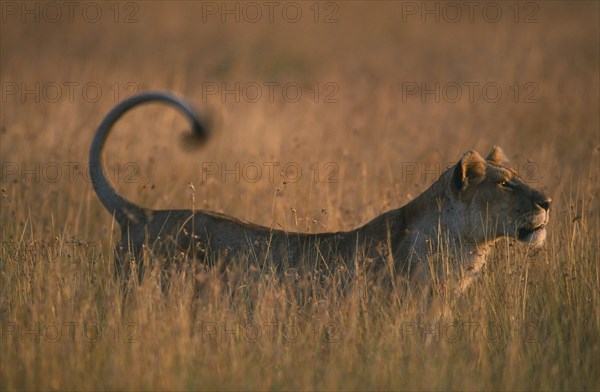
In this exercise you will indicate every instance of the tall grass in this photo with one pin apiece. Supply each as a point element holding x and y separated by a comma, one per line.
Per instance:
<point>530,323</point>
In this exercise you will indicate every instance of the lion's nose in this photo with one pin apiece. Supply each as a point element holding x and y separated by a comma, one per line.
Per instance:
<point>545,203</point>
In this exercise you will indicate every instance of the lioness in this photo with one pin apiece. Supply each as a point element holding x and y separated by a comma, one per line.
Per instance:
<point>473,203</point>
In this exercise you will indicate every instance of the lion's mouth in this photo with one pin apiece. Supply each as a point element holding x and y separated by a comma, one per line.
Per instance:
<point>527,234</point>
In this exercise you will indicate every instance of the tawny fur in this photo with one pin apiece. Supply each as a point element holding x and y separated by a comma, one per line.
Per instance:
<point>471,205</point>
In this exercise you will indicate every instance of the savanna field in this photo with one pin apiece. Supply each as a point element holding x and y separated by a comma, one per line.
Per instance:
<point>323,116</point>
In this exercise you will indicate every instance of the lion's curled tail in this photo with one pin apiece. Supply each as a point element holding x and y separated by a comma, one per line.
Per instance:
<point>115,203</point>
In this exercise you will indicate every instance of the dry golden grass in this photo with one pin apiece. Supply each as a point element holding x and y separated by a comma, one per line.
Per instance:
<point>531,323</point>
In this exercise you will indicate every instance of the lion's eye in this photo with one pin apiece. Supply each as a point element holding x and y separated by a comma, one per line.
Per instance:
<point>505,184</point>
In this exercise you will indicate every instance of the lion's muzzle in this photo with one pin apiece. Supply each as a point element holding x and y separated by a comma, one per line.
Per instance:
<point>532,229</point>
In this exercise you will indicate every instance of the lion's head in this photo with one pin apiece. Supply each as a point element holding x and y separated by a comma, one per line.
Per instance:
<point>493,201</point>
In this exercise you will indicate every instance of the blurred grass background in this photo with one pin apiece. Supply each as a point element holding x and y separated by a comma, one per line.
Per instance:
<point>356,120</point>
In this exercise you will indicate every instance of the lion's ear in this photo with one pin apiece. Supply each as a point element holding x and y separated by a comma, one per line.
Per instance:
<point>497,157</point>
<point>469,171</point>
